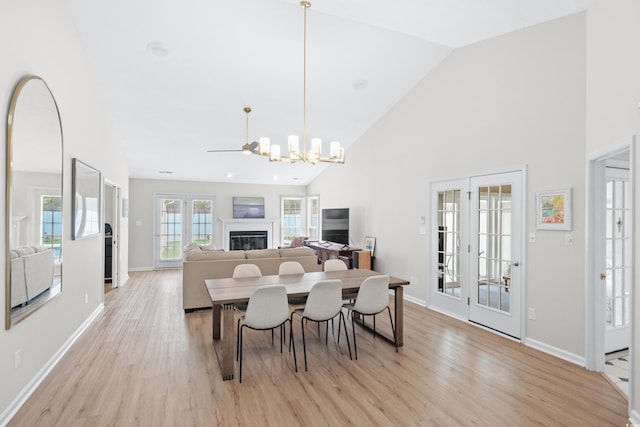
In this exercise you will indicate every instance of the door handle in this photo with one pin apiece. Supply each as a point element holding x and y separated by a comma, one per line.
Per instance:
<point>515,263</point>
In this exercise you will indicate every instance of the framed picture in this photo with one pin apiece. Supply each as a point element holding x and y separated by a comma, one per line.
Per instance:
<point>553,209</point>
<point>86,183</point>
<point>248,207</point>
<point>369,244</point>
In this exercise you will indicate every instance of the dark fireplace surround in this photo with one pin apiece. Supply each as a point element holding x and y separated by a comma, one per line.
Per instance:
<point>248,240</point>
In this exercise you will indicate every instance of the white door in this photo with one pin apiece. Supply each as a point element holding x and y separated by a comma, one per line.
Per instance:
<point>618,256</point>
<point>180,219</point>
<point>449,212</point>
<point>495,232</point>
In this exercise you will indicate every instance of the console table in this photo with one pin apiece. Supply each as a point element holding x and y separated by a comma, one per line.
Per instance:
<point>330,250</point>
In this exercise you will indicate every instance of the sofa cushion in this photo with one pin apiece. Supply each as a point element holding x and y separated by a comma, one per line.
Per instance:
<point>263,253</point>
<point>25,250</point>
<point>215,255</point>
<point>295,252</point>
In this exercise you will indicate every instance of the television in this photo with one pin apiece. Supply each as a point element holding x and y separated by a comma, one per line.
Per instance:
<point>335,225</point>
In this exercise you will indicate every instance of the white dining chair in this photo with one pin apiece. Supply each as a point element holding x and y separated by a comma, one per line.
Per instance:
<point>372,298</point>
<point>246,270</point>
<point>324,303</point>
<point>334,265</point>
<point>239,272</point>
<point>268,309</point>
<point>290,267</point>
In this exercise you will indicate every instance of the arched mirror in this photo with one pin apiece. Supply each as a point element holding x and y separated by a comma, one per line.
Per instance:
<point>34,214</point>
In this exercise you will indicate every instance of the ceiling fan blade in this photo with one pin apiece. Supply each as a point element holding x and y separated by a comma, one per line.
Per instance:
<point>252,147</point>
<point>223,151</point>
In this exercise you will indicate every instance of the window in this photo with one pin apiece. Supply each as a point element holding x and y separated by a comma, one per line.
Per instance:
<point>313,218</point>
<point>202,221</point>
<point>292,218</point>
<point>51,221</point>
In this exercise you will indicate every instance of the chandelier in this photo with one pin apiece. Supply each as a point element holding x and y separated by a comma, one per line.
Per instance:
<point>295,154</point>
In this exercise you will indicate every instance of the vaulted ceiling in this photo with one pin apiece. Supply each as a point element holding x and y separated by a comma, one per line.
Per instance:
<point>176,76</point>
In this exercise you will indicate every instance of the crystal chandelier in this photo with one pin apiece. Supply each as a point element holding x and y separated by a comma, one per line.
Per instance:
<point>295,154</point>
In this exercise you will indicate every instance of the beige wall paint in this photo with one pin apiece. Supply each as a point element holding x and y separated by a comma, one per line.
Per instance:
<point>141,209</point>
<point>510,101</point>
<point>38,37</point>
<point>613,98</point>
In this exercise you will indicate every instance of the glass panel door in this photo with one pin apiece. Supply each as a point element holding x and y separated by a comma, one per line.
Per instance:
<point>449,290</point>
<point>618,260</point>
<point>201,221</point>
<point>169,231</point>
<point>495,243</point>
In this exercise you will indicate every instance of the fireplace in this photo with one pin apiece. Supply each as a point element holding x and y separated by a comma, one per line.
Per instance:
<point>248,240</point>
<point>245,226</point>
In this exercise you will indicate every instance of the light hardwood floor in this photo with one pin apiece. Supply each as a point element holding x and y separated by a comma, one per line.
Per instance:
<point>145,362</point>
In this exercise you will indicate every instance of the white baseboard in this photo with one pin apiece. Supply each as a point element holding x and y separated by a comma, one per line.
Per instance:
<point>28,390</point>
<point>420,302</point>
<point>140,268</point>
<point>448,313</point>
<point>554,351</point>
<point>123,280</point>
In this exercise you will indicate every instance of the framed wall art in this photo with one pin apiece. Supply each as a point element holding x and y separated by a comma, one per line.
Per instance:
<point>248,207</point>
<point>369,244</point>
<point>86,183</point>
<point>553,209</point>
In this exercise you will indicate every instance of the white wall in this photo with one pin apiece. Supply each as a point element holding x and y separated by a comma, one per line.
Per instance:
<point>38,37</point>
<point>510,101</point>
<point>141,209</point>
<point>613,97</point>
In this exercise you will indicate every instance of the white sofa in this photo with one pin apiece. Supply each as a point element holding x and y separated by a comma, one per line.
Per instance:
<point>200,265</point>
<point>32,271</point>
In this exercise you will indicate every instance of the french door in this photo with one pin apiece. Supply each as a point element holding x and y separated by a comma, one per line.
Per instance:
<point>449,203</point>
<point>495,233</point>
<point>476,245</point>
<point>181,219</point>
<point>618,257</point>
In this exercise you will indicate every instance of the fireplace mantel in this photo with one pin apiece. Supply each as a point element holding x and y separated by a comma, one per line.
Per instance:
<point>247,224</point>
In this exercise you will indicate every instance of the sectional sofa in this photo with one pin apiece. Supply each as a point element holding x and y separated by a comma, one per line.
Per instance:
<point>200,264</point>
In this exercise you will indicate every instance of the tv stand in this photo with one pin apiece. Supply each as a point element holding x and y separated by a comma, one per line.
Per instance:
<point>331,250</point>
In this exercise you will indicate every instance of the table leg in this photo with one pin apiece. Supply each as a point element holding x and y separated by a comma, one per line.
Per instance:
<point>399,314</point>
<point>228,343</point>
<point>216,321</point>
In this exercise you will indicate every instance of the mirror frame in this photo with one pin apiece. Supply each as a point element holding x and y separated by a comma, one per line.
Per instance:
<point>9,181</point>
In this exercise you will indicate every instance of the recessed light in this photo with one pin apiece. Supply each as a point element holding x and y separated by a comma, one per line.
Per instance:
<point>295,178</point>
<point>360,84</point>
<point>166,172</point>
<point>229,175</point>
<point>158,49</point>
<point>275,178</point>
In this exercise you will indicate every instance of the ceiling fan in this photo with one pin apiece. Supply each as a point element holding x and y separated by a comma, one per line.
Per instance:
<point>247,147</point>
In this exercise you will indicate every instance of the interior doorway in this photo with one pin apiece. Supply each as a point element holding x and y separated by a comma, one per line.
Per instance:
<point>611,271</point>
<point>111,233</point>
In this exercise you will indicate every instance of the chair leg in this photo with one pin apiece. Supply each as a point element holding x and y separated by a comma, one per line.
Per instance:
<point>238,341</point>
<point>353,330</point>
<point>395,340</point>
<point>345,333</point>
<point>374,326</point>
<point>295,360</point>
<point>240,348</point>
<point>304,344</point>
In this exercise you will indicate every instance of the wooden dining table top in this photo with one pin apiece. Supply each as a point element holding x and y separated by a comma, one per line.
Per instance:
<point>230,290</point>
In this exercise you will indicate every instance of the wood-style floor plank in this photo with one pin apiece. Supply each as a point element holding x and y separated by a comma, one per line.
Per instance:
<point>145,362</point>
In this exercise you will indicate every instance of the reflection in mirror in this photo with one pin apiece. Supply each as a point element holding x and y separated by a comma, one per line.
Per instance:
<point>34,200</point>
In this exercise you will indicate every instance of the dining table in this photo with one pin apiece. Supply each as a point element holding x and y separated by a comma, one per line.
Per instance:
<point>227,292</point>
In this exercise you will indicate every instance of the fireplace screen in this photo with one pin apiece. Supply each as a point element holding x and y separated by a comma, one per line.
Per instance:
<point>247,240</point>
